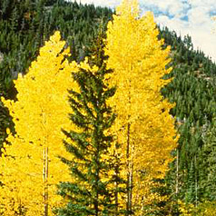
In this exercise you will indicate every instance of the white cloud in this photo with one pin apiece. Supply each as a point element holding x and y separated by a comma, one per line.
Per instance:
<point>198,3</point>
<point>199,25</point>
<point>201,32</point>
<point>171,7</point>
<point>171,13</point>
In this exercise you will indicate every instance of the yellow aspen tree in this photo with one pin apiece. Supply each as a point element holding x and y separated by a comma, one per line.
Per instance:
<point>143,125</point>
<point>30,167</point>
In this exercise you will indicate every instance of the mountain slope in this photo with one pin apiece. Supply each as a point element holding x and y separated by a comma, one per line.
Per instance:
<point>193,90</point>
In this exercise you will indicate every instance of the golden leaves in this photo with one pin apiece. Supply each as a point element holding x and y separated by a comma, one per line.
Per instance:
<point>39,114</point>
<point>144,126</point>
<point>139,64</point>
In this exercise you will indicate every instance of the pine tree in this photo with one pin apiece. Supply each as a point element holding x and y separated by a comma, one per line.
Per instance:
<point>5,119</point>
<point>95,163</point>
<point>208,166</point>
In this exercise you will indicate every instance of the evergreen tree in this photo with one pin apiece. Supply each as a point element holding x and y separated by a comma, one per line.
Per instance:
<point>95,165</point>
<point>208,166</point>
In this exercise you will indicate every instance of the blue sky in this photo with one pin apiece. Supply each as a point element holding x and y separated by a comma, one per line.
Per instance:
<point>193,17</point>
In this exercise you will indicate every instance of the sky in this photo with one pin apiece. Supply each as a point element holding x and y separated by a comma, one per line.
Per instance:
<point>193,17</point>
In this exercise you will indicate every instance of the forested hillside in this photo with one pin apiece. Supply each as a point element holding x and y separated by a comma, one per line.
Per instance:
<point>193,90</point>
<point>24,27</point>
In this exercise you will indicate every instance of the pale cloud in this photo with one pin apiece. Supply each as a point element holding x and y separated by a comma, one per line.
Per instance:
<point>198,16</point>
<point>201,32</point>
<point>208,3</point>
<point>172,7</point>
<point>199,25</point>
<point>191,17</point>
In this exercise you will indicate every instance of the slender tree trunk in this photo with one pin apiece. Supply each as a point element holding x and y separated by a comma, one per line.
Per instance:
<point>177,172</point>
<point>45,179</point>
<point>129,174</point>
<point>129,162</point>
<point>97,181</point>
<point>116,183</point>
<point>116,199</point>
<point>96,203</point>
<point>196,181</point>
<point>131,186</point>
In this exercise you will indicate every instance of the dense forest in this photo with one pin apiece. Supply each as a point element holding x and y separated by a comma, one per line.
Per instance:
<point>189,185</point>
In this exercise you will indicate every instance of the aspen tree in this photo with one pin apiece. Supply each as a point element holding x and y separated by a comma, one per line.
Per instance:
<point>144,126</point>
<point>30,167</point>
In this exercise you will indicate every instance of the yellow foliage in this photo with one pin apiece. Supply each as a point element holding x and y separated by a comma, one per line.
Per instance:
<point>30,167</point>
<point>144,125</point>
<point>185,209</point>
<point>206,208</point>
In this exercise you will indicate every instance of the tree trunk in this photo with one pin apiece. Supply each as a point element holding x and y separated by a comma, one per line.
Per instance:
<point>116,184</point>
<point>196,182</point>
<point>177,172</point>
<point>129,174</point>
<point>45,179</point>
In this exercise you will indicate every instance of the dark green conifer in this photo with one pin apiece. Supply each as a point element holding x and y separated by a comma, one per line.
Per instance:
<point>95,152</point>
